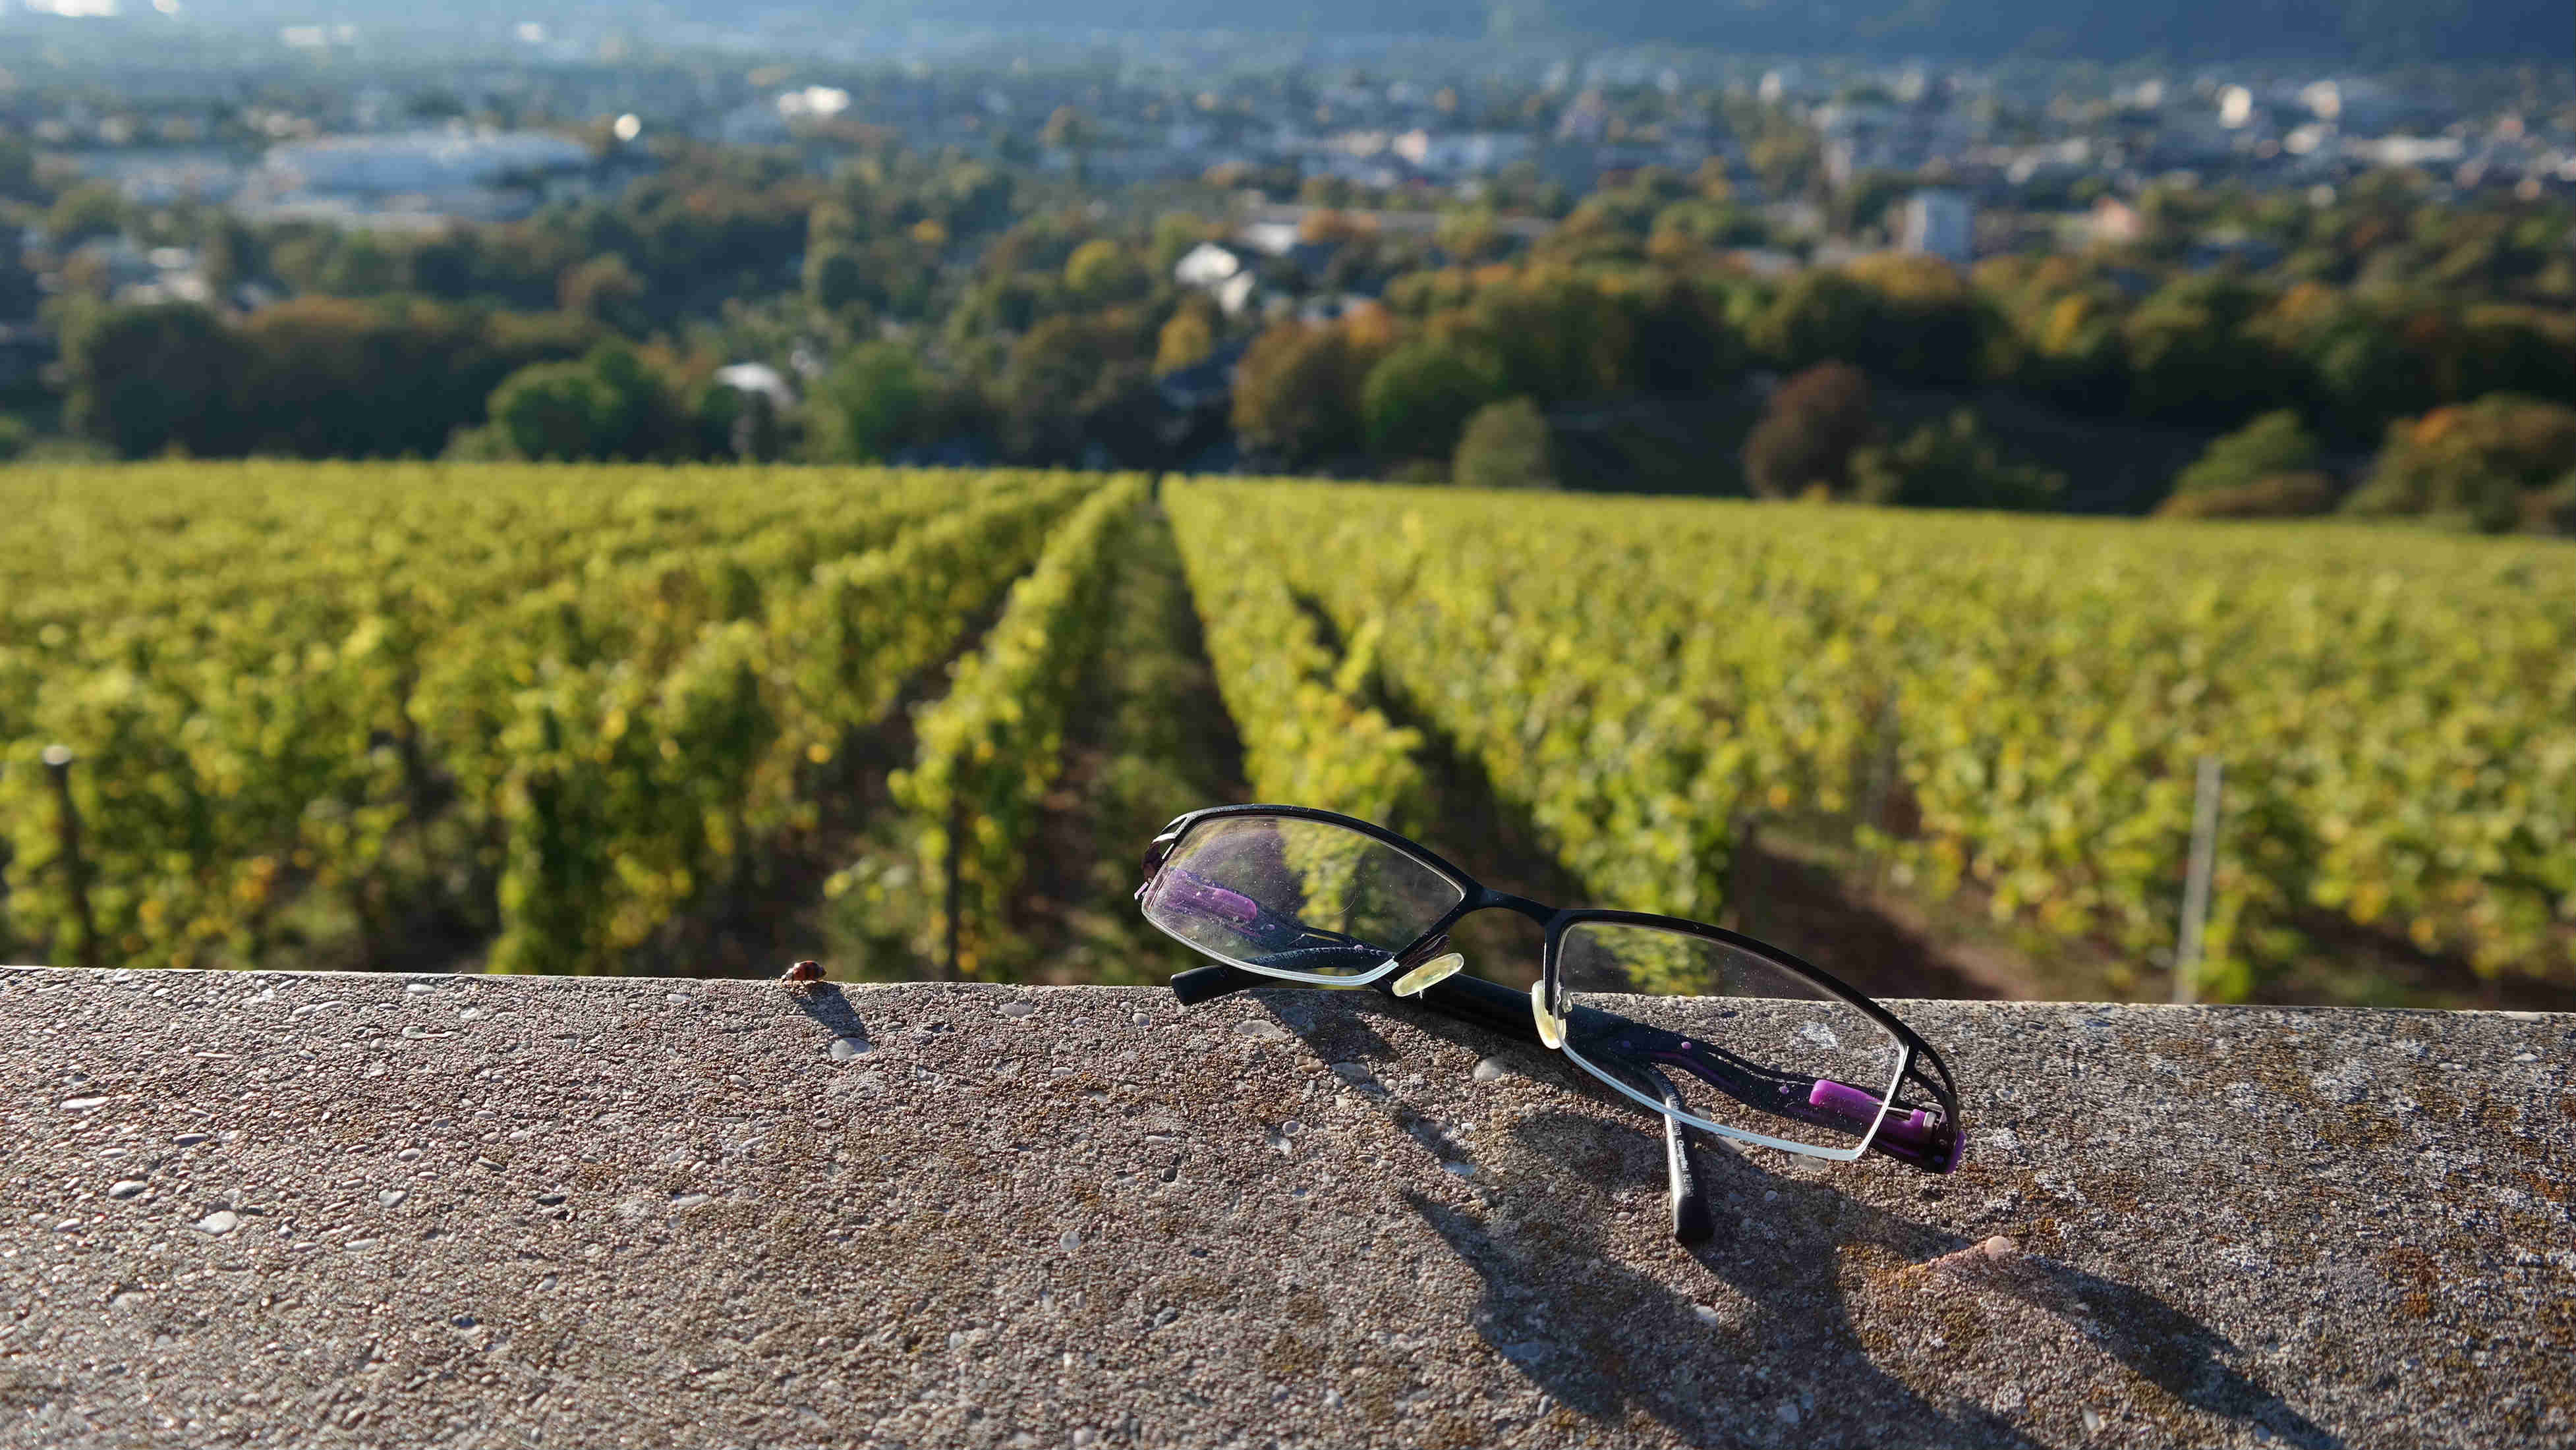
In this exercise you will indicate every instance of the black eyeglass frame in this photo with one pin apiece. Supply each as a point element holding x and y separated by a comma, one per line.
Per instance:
<point>1931,1140</point>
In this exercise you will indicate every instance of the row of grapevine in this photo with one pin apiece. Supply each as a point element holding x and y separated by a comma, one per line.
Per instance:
<point>2397,713</point>
<point>256,719</point>
<point>1306,739</point>
<point>991,747</point>
<point>628,792</point>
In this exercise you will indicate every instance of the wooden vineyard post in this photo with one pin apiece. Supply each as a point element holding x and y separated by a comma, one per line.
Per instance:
<point>2195,886</point>
<point>58,764</point>
<point>956,884</point>
<point>1881,784</point>
<point>1739,893</point>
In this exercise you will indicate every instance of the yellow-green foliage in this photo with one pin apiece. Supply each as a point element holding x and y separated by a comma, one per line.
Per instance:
<point>268,670</point>
<point>1306,741</point>
<point>991,748</point>
<point>2396,711</point>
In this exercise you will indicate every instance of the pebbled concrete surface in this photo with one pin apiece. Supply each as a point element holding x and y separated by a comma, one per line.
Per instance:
<point>326,1209</point>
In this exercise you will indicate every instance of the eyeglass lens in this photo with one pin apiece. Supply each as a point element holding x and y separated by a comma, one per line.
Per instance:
<point>1295,895</point>
<point>1790,1061</point>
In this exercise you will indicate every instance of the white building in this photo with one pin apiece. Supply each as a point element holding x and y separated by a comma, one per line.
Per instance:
<point>1939,224</point>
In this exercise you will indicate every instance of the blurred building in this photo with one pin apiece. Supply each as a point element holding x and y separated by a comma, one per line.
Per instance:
<point>1938,224</point>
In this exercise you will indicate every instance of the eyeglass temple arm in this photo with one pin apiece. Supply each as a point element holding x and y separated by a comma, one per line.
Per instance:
<point>1927,1141</point>
<point>1503,1011</point>
<point>1692,1222</point>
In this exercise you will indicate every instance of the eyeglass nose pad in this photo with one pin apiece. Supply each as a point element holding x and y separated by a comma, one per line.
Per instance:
<point>1422,978</point>
<point>1551,1028</point>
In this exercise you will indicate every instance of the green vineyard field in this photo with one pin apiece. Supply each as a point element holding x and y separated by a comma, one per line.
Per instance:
<point>2019,703</point>
<point>561,703</point>
<point>561,718</point>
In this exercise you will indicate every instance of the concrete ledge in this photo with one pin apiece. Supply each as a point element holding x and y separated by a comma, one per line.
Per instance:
<point>361,1210</point>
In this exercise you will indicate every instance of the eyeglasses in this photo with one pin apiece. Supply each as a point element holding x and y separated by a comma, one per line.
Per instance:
<point>1713,1030</point>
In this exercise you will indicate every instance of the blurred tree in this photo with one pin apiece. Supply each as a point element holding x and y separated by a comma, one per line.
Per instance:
<point>145,378</point>
<point>1175,233</point>
<point>1683,341</point>
<point>1556,334</point>
<point>2191,357</point>
<point>605,290</point>
<point>1418,398</point>
<point>1296,394</point>
<point>230,256</point>
<point>2274,496</point>
<point>19,293</point>
<point>870,404</point>
<point>1821,316</point>
<point>2490,465</point>
<point>17,170</point>
<point>1100,272</point>
<point>1505,445</point>
<point>2271,445</point>
<point>1808,432</point>
<point>1950,465</point>
<point>1188,338</point>
<point>88,211</point>
<point>1469,234</point>
<point>609,405</point>
<point>831,223</point>
<point>1927,324</point>
<point>836,279</point>
<point>1076,380</point>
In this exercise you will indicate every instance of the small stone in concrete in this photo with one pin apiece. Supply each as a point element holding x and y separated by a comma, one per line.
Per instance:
<point>1266,1031</point>
<point>1072,1239</point>
<point>82,1105</point>
<point>845,1048</point>
<point>408,1154</point>
<point>361,1244</point>
<point>550,1199</point>
<point>125,1188</point>
<point>221,1221</point>
<point>1491,1068</point>
<point>417,988</point>
<point>392,1197</point>
<point>1788,1413</point>
<point>67,1226</point>
<point>687,1200</point>
<point>1018,1009</point>
<point>1463,1170</point>
<point>463,1321</point>
<point>189,1140</point>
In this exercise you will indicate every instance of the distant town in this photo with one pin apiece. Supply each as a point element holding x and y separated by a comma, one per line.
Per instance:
<point>147,159</point>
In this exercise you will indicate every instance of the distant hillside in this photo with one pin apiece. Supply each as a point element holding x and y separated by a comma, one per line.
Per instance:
<point>2347,31</point>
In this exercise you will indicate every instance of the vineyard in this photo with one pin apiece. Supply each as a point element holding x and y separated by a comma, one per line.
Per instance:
<point>2011,708</point>
<point>564,719</point>
<point>565,711</point>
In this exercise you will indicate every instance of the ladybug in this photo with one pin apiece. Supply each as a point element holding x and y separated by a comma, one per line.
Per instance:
<point>801,973</point>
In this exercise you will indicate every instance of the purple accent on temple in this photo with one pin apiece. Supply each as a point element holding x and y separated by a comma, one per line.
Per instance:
<point>1848,1101</point>
<point>1915,1138</point>
<point>1215,900</point>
